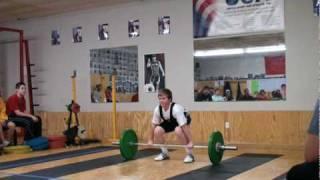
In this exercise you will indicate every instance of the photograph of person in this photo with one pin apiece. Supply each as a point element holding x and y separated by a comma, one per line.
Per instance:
<point>133,28</point>
<point>55,37</point>
<point>164,25</point>
<point>77,36</point>
<point>103,31</point>
<point>154,72</point>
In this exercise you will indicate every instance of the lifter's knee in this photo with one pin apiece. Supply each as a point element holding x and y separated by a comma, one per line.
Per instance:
<point>178,130</point>
<point>11,125</point>
<point>158,131</point>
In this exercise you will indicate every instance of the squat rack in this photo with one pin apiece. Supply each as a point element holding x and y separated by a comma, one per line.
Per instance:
<point>24,50</point>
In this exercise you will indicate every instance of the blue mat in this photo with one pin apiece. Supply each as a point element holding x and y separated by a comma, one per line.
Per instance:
<point>55,172</point>
<point>228,168</point>
<point>53,157</point>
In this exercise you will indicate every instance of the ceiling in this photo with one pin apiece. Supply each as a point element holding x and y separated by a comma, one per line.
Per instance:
<point>11,10</point>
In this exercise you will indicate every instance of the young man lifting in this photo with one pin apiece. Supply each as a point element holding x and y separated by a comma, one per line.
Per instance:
<point>168,117</point>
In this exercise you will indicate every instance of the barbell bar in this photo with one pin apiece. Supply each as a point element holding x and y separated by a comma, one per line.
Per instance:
<point>218,146</point>
<point>129,146</point>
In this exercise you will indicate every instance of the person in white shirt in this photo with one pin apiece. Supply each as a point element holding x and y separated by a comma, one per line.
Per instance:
<point>169,117</point>
<point>217,97</point>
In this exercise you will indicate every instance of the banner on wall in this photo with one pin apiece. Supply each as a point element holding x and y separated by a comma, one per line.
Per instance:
<point>226,17</point>
<point>275,65</point>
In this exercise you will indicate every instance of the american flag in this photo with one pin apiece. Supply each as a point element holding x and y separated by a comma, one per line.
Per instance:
<point>203,14</point>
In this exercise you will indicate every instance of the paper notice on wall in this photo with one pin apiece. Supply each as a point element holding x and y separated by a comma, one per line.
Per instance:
<point>254,86</point>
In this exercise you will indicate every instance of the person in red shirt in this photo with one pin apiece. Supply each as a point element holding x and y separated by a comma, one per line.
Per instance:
<point>16,111</point>
<point>108,94</point>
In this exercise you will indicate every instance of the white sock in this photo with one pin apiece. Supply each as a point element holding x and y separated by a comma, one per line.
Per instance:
<point>189,151</point>
<point>164,150</point>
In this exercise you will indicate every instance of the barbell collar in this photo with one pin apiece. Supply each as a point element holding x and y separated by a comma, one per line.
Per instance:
<point>116,143</point>
<point>228,147</point>
<point>220,147</point>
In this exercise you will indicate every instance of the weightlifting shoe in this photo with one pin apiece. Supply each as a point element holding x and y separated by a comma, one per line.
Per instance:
<point>161,157</point>
<point>6,143</point>
<point>189,158</point>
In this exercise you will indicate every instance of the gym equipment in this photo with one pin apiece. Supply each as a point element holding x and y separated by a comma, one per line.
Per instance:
<point>57,142</point>
<point>72,121</point>
<point>72,129</point>
<point>38,143</point>
<point>75,134</point>
<point>21,149</point>
<point>114,104</point>
<point>129,146</point>
<point>128,150</point>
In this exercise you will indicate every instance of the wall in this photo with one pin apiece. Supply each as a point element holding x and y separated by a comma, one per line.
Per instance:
<point>56,63</point>
<point>276,129</point>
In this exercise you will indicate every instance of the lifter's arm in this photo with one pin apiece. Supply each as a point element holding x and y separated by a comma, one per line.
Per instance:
<point>187,133</point>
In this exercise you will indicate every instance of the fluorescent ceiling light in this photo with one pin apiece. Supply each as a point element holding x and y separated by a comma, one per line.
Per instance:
<point>219,52</point>
<point>237,51</point>
<point>263,49</point>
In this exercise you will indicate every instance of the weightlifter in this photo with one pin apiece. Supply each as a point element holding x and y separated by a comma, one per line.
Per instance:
<point>168,117</point>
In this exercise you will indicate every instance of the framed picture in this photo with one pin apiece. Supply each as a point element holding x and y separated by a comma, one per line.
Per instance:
<point>55,38</point>
<point>164,25</point>
<point>77,35</point>
<point>103,31</point>
<point>133,28</point>
<point>316,7</point>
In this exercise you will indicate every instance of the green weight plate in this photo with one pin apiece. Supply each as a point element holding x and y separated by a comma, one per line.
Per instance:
<point>21,149</point>
<point>214,154</point>
<point>127,150</point>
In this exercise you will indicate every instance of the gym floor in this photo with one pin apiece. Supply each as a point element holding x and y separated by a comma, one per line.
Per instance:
<point>96,162</point>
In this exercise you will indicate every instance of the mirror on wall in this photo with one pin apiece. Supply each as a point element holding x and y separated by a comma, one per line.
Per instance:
<point>121,60</point>
<point>243,68</point>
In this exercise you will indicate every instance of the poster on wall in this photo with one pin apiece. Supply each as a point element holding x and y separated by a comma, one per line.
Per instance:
<point>103,31</point>
<point>154,72</point>
<point>55,38</point>
<point>229,17</point>
<point>316,7</point>
<point>76,34</point>
<point>120,60</point>
<point>133,28</point>
<point>164,25</point>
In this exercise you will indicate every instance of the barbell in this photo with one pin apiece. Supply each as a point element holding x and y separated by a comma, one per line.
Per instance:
<point>129,146</point>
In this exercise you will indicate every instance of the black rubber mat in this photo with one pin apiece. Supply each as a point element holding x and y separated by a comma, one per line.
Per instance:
<point>55,172</point>
<point>228,168</point>
<point>53,157</point>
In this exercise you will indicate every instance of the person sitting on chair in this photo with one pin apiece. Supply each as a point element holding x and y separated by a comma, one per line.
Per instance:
<point>204,94</point>
<point>5,124</point>
<point>168,117</point>
<point>16,111</point>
